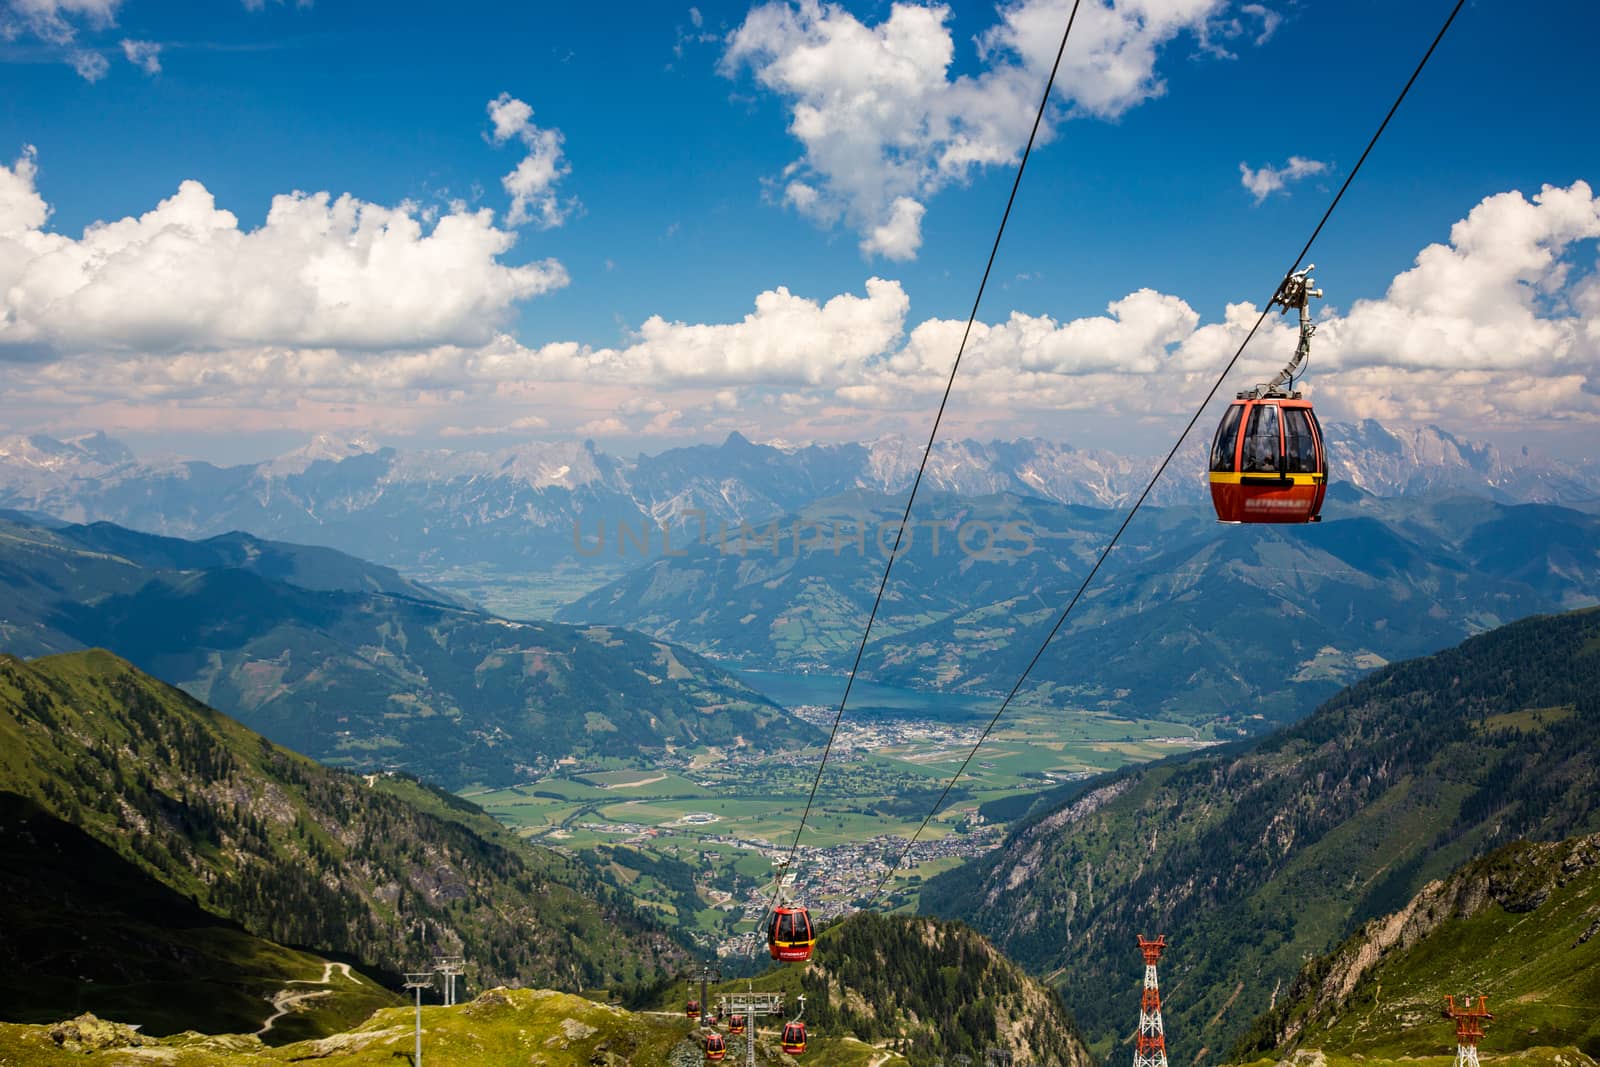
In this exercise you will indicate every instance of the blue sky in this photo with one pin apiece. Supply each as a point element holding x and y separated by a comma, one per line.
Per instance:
<point>674,145</point>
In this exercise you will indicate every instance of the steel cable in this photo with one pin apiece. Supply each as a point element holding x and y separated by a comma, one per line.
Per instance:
<point>1061,620</point>
<point>788,863</point>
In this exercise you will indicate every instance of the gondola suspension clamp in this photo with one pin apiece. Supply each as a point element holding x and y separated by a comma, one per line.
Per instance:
<point>1295,292</point>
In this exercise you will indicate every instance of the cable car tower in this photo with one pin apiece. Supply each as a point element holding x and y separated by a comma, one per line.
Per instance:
<point>1151,1050</point>
<point>705,974</point>
<point>419,980</point>
<point>751,1005</point>
<point>451,967</point>
<point>1469,1020</point>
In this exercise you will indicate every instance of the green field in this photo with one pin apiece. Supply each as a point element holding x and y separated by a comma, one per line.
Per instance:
<point>692,841</point>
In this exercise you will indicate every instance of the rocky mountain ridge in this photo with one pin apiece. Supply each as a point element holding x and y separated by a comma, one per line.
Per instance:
<point>533,504</point>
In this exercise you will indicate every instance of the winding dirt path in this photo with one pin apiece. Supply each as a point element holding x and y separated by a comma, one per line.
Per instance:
<point>882,1057</point>
<point>287,1000</point>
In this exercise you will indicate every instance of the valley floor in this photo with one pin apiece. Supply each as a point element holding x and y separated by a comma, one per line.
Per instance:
<point>694,837</point>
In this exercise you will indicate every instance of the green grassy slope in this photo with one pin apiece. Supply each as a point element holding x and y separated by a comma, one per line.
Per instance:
<point>500,1027</point>
<point>86,930</point>
<point>539,1028</point>
<point>386,871</point>
<point>1249,860</point>
<point>1520,926</point>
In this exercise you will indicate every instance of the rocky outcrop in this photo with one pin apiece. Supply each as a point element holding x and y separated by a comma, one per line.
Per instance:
<point>1518,878</point>
<point>89,1033</point>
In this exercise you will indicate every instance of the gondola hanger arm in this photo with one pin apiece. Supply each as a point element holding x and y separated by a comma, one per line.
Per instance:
<point>1295,292</point>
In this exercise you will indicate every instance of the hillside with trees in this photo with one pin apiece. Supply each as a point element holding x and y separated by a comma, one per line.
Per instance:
<point>930,990</point>
<point>89,930</point>
<point>1520,926</point>
<point>379,869</point>
<point>1248,859</point>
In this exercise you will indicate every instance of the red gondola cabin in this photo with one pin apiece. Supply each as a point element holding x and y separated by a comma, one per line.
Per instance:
<point>692,1009</point>
<point>716,1048</point>
<point>789,936</point>
<point>794,1038</point>
<point>1268,462</point>
<point>736,1024</point>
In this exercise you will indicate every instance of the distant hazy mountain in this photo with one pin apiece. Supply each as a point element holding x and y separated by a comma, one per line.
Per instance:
<point>1189,620</point>
<point>353,665</point>
<point>307,566</point>
<point>519,507</point>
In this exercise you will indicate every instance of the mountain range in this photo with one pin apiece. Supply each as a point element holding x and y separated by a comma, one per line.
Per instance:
<point>1250,857</point>
<point>1234,626</point>
<point>530,506</point>
<point>351,664</point>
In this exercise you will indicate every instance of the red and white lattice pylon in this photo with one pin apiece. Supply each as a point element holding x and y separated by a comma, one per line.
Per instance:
<point>1151,1049</point>
<point>1469,1019</point>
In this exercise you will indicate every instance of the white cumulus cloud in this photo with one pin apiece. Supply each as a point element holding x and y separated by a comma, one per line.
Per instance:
<point>21,207</point>
<point>607,427</point>
<point>1500,297</point>
<point>1269,179</point>
<point>532,185</point>
<point>525,424</point>
<point>787,339</point>
<point>321,271</point>
<point>884,126</point>
<point>1497,327</point>
<point>901,236</point>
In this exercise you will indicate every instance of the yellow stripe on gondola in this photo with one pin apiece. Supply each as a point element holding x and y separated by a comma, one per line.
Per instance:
<point>1265,478</point>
